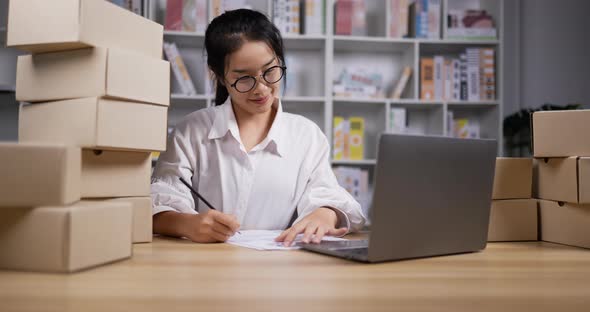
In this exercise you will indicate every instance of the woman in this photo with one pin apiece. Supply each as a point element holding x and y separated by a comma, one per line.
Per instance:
<point>257,165</point>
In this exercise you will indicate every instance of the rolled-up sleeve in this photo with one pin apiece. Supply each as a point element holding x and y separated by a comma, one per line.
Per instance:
<point>322,190</point>
<point>167,192</point>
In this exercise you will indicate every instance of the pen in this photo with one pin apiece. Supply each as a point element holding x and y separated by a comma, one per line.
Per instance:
<point>198,195</point>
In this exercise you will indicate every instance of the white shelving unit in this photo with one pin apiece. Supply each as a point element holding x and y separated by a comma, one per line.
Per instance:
<point>309,87</point>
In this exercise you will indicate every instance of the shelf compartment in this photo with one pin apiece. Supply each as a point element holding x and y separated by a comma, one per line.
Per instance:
<point>312,110</point>
<point>375,122</point>
<point>422,118</point>
<point>300,80</point>
<point>486,117</point>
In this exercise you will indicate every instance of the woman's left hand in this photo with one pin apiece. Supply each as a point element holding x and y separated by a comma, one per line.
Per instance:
<point>317,224</point>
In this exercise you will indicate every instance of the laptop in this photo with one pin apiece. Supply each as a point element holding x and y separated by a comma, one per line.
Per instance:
<point>432,197</point>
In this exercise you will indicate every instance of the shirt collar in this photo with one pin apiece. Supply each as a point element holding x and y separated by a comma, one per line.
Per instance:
<point>225,121</point>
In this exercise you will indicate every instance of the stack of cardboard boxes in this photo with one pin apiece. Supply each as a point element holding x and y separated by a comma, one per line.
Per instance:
<point>562,149</point>
<point>513,215</point>
<point>75,189</point>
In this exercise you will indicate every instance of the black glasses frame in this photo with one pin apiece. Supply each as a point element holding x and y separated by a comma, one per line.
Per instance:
<point>284,70</point>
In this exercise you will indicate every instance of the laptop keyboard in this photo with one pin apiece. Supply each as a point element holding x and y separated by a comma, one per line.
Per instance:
<point>341,245</point>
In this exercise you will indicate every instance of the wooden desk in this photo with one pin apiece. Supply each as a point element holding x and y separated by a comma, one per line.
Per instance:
<point>181,276</point>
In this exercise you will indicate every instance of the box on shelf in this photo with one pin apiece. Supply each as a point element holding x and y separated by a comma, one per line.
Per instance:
<point>513,178</point>
<point>564,223</point>
<point>39,174</point>
<point>75,24</point>
<point>564,179</point>
<point>92,72</point>
<point>560,133</point>
<point>513,220</point>
<point>95,123</point>
<point>142,217</point>
<point>115,173</point>
<point>65,239</point>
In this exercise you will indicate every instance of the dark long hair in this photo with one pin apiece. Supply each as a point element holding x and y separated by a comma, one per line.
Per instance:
<point>228,32</point>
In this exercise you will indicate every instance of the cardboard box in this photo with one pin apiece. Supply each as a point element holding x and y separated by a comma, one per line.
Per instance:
<point>38,174</point>
<point>94,72</point>
<point>564,223</point>
<point>115,174</point>
<point>95,123</point>
<point>513,178</point>
<point>564,179</point>
<point>560,133</point>
<point>513,220</point>
<point>142,217</point>
<point>65,239</point>
<point>75,24</point>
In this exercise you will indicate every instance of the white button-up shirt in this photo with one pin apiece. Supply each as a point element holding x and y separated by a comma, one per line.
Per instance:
<point>288,174</point>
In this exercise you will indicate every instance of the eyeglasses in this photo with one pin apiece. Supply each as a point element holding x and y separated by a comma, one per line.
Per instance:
<point>271,75</point>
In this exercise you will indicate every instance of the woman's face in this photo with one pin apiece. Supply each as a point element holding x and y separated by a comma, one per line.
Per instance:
<point>254,58</point>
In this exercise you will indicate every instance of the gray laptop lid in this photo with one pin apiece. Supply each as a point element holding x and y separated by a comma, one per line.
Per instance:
<point>432,196</point>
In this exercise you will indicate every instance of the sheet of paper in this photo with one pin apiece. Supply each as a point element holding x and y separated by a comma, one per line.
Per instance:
<point>265,240</point>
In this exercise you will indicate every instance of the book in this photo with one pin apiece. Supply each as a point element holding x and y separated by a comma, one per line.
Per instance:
<point>418,19</point>
<point>189,15</point>
<point>359,18</point>
<point>401,83</point>
<point>179,69</point>
<point>488,74</point>
<point>397,120</point>
<point>398,26</point>
<point>456,80</point>
<point>473,74</point>
<point>427,78</point>
<point>339,129</point>
<point>357,138</point>
<point>343,17</point>
<point>463,75</point>
<point>438,77</point>
<point>450,124</point>
<point>313,17</point>
<point>448,79</point>
<point>173,20</point>
<point>433,19</point>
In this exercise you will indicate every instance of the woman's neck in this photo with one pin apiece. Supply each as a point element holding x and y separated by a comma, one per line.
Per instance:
<point>253,127</point>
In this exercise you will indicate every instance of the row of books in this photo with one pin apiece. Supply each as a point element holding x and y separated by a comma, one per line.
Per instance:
<point>470,77</point>
<point>186,15</point>
<point>299,16</point>
<point>416,19</point>
<point>420,19</point>
<point>349,138</point>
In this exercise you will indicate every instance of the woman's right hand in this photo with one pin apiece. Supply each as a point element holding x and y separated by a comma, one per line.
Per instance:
<point>210,227</point>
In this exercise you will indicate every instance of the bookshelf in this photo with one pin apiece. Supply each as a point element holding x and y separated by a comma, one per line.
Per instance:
<point>315,60</point>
